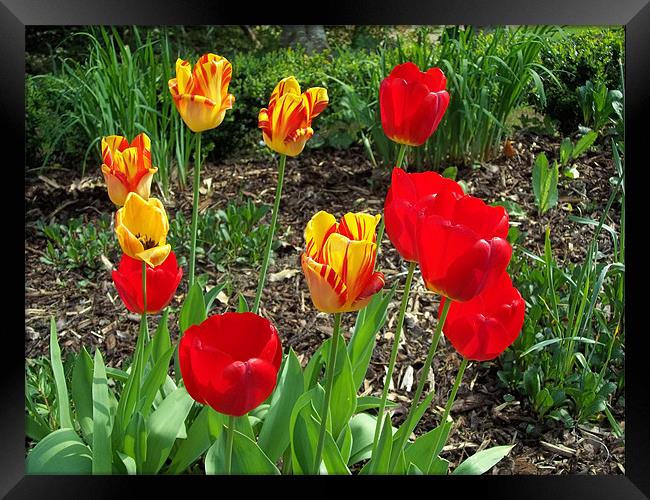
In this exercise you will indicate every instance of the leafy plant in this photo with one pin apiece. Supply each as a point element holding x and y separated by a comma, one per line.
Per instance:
<point>545,179</point>
<point>77,244</point>
<point>600,105</point>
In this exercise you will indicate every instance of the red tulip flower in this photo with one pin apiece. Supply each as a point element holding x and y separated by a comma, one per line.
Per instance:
<point>231,361</point>
<point>484,327</point>
<point>407,195</point>
<point>461,244</point>
<point>162,282</point>
<point>412,103</point>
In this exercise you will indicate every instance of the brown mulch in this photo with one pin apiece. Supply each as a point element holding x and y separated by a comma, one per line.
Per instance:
<point>93,315</point>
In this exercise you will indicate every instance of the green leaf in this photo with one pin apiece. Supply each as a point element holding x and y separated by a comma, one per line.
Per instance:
<point>62,399</point>
<point>102,422</point>
<point>422,451</point>
<point>399,435</point>
<point>211,296</point>
<point>532,383</point>
<point>247,457</point>
<point>584,144</point>
<point>369,402</point>
<point>380,461</point>
<point>161,341</point>
<point>369,321</point>
<point>164,425</point>
<point>242,305</point>
<point>207,426</point>
<point>450,173</point>
<point>566,148</point>
<point>82,384</point>
<point>482,461</point>
<point>135,440</point>
<point>153,382</point>
<point>344,443</point>
<point>439,467</point>
<point>545,179</point>
<point>60,452</point>
<point>274,436</point>
<point>362,426</point>
<point>343,398</point>
<point>514,209</point>
<point>546,342</point>
<point>193,310</point>
<point>130,393</point>
<point>35,429</point>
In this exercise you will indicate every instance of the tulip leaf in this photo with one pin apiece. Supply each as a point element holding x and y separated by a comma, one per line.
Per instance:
<point>207,426</point>
<point>242,305</point>
<point>82,383</point>
<point>369,402</point>
<point>380,461</point>
<point>135,440</point>
<point>164,425</point>
<point>153,382</point>
<point>303,444</point>
<point>315,367</point>
<point>439,467</point>
<point>362,426</point>
<point>274,436</point>
<point>128,462</point>
<point>343,400</point>
<point>62,399</point>
<point>369,321</point>
<point>60,452</point>
<point>102,422</point>
<point>399,435</point>
<point>482,461</point>
<point>193,310</point>
<point>211,296</point>
<point>422,451</point>
<point>161,341</point>
<point>545,179</point>
<point>344,443</point>
<point>414,470</point>
<point>247,456</point>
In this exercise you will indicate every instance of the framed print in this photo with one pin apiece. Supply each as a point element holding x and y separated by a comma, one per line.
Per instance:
<point>391,246</point>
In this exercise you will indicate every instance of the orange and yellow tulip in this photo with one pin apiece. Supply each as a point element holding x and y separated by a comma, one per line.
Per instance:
<point>339,261</point>
<point>201,96</point>
<point>141,227</point>
<point>127,167</point>
<point>286,123</point>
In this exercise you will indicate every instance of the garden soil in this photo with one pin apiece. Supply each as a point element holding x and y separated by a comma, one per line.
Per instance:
<point>89,311</point>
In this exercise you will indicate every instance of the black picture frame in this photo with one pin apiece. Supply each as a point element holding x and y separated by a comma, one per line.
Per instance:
<point>633,14</point>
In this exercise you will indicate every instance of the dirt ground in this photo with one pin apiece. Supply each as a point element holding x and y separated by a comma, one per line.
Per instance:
<point>339,182</point>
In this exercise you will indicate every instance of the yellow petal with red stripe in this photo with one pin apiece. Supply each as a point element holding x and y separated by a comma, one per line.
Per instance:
<point>352,260</point>
<point>327,290</point>
<point>316,101</point>
<point>317,231</point>
<point>359,226</point>
<point>288,85</point>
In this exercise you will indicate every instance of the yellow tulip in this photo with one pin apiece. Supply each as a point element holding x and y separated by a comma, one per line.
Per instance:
<point>201,96</point>
<point>141,227</point>
<point>286,123</point>
<point>339,261</point>
<point>127,167</point>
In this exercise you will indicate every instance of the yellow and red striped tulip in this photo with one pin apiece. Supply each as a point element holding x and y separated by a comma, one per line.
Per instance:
<point>339,261</point>
<point>286,123</point>
<point>141,227</point>
<point>201,96</point>
<point>127,167</point>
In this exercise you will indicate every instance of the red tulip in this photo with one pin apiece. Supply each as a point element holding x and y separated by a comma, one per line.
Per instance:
<point>162,282</point>
<point>412,103</point>
<point>461,244</point>
<point>231,361</point>
<point>484,327</point>
<point>407,194</point>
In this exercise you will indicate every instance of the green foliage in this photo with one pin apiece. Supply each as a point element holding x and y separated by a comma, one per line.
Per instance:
<point>78,244</point>
<point>600,106</point>
<point>545,178</point>
<point>569,358</point>
<point>575,57</point>
<point>225,237</point>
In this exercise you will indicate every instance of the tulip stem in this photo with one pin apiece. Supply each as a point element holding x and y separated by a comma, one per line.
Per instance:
<point>382,224</point>
<point>269,241</point>
<point>423,378</point>
<point>393,354</point>
<point>331,365</point>
<point>144,328</point>
<point>230,438</point>
<point>195,206</point>
<point>450,402</point>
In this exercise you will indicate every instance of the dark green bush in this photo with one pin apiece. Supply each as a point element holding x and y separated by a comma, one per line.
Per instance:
<point>592,54</point>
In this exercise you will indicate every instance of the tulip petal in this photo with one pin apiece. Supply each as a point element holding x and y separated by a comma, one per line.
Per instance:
<point>316,101</point>
<point>328,292</point>
<point>156,255</point>
<point>352,260</point>
<point>317,231</point>
<point>359,226</point>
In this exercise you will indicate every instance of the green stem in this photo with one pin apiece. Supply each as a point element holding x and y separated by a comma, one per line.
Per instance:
<point>450,402</point>
<point>230,438</point>
<point>269,242</point>
<point>331,364</point>
<point>423,378</point>
<point>382,224</point>
<point>195,206</point>
<point>144,328</point>
<point>393,354</point>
